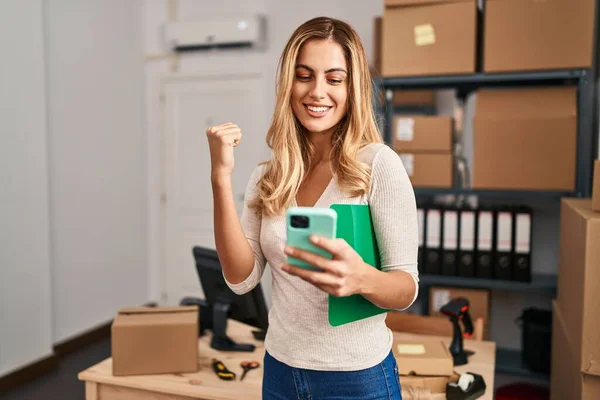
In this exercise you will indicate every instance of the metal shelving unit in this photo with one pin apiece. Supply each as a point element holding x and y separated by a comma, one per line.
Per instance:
<point>587,125</point>
<point>494,194</point>
<point>508,361</point>
<point>540,283</point>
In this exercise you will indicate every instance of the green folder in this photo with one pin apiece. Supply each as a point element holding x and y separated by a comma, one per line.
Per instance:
<point>354,224</point>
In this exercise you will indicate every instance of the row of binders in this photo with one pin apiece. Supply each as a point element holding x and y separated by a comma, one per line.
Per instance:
<point>490,243</point>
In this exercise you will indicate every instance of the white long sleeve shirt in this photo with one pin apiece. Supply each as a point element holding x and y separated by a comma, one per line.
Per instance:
<point>299,332</point>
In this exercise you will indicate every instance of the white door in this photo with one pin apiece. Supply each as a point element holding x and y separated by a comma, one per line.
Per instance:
<point>190,106</point>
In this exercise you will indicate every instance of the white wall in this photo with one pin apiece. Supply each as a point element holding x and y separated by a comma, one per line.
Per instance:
<point>73,244</point>
<point>25,299</point>
<point>97,154</point>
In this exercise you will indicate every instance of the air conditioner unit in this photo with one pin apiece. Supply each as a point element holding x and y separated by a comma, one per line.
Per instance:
<point>223,32</point>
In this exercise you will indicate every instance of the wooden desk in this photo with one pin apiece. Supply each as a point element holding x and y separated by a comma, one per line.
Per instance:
<point>100,384</point>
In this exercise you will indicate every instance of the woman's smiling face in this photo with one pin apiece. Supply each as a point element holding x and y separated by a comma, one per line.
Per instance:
<point>320,88</point>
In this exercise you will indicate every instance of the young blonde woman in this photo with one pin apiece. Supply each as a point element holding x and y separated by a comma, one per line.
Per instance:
<point>326,148</point>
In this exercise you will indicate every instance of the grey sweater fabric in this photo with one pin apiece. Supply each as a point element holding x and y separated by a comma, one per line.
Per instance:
<point>299,332</point>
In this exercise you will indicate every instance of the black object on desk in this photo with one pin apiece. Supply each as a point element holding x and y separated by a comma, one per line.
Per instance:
<point>222,303</point>
<point>458,310</point>
<point>470,386</point>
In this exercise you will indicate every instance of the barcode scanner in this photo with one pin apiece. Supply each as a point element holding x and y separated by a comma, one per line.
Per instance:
<point>457,310</point>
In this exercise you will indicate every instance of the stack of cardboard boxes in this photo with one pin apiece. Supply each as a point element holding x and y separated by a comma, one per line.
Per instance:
<point>522,138</point>
<point>424,363</point>
<point>575,371</point>
<point>425,147</point>
<point>433,37</point>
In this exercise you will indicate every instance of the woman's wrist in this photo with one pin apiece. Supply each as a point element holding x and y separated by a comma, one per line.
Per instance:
<point>369,280</point>
<point>220,180</point>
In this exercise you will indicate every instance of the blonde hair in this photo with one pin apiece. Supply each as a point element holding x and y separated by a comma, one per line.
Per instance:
<point>292,152</point>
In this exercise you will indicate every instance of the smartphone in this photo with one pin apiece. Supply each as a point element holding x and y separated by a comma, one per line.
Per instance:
<point>303,222</point>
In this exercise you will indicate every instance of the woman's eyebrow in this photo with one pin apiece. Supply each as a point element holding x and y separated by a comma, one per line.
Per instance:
<point>328,71</point>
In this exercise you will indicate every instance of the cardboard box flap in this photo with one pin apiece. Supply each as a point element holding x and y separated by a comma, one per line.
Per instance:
<point>156,310</point>
<point>404,3</point>
<point>583,207</point>
<point>154,316</point>
<point>546,102</point>
<point>593,368</point>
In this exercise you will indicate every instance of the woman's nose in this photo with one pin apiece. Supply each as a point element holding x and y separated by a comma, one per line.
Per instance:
<point>318,90</point>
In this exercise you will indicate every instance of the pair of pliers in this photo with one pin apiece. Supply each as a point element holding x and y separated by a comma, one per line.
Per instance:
<point>222,371</point>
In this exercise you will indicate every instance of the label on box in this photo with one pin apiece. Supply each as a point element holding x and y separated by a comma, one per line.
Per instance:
<point>411,349</point>
<point>409,163</point>
<point>405,129</point>
<point>440,299</point>
<point>424,35</point>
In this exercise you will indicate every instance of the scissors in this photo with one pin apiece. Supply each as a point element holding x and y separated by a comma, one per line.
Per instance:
<point>247,366</point>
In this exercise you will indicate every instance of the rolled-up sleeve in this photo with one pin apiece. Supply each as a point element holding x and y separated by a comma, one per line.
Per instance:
<point>394,213</point>
<point>250,221</point>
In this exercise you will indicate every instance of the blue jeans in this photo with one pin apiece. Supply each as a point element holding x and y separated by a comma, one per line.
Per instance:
<point>282,382</point>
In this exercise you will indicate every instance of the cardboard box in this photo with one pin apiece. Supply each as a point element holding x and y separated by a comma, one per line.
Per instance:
<point>596,187</point>
<point>422,133</point>
<point>525,139</point>
<point>428,37</point>
<point>479,302</point>
<point>155,340</point>
<point>426,356</point>
<point>579,280</point>
<point>536,35</point>
<point>567,380</point>
<point>430,170</point>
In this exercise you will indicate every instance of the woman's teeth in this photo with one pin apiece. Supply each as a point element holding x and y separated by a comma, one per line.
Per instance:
<point>318,109</point>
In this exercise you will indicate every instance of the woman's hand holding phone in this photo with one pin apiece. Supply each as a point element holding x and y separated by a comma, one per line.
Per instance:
<point>343,275</point>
